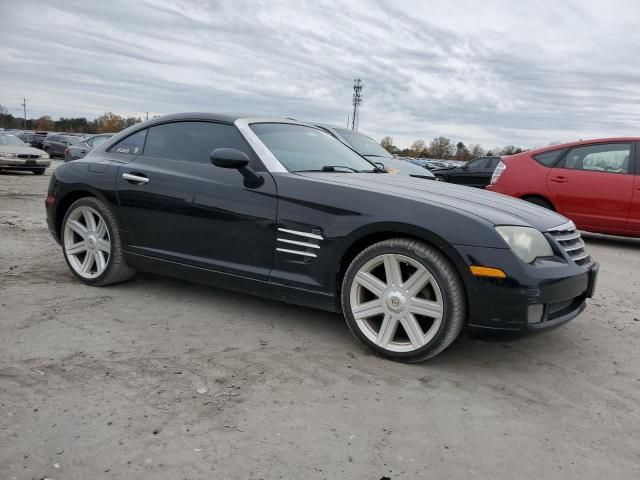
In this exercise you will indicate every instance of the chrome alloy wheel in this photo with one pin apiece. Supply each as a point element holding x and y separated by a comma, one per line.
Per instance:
<point>87,244</point>
<point>396,303</point>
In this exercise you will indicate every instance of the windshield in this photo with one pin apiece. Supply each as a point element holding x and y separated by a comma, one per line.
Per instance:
<point>10,140</point>
<point>301,148</point>
<point>363,144</point>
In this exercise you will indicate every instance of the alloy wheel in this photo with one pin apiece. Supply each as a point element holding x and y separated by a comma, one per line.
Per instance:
<point>87,244</point>
<point>396,302</point>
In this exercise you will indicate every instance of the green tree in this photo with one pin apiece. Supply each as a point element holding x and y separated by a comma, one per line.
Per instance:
<point>462,153</point>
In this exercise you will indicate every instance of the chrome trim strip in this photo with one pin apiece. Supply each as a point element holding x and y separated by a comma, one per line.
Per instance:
<point>566,238</point>
<point>302,234</point>
<point>574,248</point>
<point>296,252</point>
<point>565,226</point>
<point>581,257</point>
<point>302,244</point>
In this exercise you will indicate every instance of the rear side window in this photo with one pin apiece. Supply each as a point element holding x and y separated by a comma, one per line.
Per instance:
<point>548,159</point>
<point>608,157</point>
<point>132,145</point>
<point>192,141</point>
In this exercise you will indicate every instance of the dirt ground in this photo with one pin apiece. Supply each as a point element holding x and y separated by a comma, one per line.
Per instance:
<point>164,379</point>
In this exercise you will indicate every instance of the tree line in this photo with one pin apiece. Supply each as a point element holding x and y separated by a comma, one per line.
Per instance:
<point>443,148</point>
<point>107,123</point>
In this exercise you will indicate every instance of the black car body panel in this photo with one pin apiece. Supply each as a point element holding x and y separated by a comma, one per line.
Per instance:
<point>475,173</point>
<point>203,223</point>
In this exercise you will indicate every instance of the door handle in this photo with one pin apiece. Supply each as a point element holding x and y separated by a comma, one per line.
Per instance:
<point>135,178</point>
<point>559,179</point>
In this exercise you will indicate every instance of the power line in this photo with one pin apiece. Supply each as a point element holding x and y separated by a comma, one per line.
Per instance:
<point>357,100</point>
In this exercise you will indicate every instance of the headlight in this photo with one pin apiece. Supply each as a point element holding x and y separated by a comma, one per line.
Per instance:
<point>44,155</point>
<point>526,242</point>
<point>7,155</point>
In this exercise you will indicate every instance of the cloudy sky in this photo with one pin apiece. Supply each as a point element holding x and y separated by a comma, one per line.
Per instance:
<point>489,72</point>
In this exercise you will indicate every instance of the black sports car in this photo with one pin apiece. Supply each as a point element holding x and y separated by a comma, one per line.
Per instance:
<point>474,173</point>
<point>279,208</point>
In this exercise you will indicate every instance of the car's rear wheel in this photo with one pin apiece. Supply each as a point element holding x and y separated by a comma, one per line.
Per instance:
<point>91,243</point>
<point>403,299</point>
<point>38,171</point>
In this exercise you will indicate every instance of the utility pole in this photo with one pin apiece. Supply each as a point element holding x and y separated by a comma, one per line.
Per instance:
<point>147,115</point>
<point>24,106</point>
<point>357,100</point>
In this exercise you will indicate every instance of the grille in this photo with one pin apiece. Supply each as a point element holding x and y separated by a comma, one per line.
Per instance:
<point>27,155</point>
<point>569,239</point>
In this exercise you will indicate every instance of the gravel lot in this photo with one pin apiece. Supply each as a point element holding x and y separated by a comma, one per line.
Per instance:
<point>163,379</point>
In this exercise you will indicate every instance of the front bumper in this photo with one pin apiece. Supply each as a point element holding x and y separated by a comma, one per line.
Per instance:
<point>24,163</point>
<point>532,298</point>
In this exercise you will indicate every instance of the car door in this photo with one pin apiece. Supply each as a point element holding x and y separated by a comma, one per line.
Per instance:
<point>470,173</point>
<point>593,184</point>
<point>633,221</point>
<point>178,206</point>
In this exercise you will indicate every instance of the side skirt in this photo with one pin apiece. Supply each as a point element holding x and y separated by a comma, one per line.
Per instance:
<point>261,288</point>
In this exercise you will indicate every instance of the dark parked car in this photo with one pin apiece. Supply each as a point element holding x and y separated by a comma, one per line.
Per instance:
<point>35,139</point>
<point>84,146</point>
<point>55,144</point>
<point>278,208</point>
<point>474,173</point>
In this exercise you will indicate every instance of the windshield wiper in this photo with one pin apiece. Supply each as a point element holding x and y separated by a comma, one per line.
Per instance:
<point>332,168</point>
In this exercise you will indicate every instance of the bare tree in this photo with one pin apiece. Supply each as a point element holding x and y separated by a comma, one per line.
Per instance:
<point>440,147</point>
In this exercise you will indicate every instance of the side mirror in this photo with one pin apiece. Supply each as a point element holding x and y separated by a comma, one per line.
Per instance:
<point>233,158</point>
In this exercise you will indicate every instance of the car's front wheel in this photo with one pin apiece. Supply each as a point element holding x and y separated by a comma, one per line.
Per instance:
<point>91,243</point>
<point>403,299</point>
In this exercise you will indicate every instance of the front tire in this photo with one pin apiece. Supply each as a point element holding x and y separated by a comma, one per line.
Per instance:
<point>91,243</point>
<point>403,300</point>
<point>440,178</point>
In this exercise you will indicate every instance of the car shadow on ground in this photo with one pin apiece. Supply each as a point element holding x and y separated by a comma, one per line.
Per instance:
<point>611,241</point>
<point>471,348</point>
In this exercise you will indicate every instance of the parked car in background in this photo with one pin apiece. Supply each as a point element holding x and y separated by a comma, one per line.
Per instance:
<point>595,183</point>
<point>17,155</point>
<point>279,208</point>
<point>35,139</point>
<point>474,173</point>
<point>55,144</point>
<point>84,146</point>
<point>374,152</point>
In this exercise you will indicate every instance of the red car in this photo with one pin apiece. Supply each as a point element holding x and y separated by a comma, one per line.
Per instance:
<point>596,183</point>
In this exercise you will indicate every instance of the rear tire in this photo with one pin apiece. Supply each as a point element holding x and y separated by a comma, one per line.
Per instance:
<point>403,300</point>
<point>91,243</point>
<point>440,178</point>
<point>541,202</point>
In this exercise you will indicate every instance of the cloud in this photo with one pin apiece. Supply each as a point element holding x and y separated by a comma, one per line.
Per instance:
<point>492,72</point>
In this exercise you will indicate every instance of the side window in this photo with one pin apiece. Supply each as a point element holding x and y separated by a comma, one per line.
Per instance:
<point>53,138</point>
<point>192,141</point>
<point>492,163</point>
<point>132,145</point>
<point>609,157</point>
<point>548,158</point>
<point>95,141</point>
<point>476,165</point>
<point>89,141</point>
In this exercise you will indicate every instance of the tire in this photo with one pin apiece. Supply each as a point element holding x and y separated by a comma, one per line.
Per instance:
<point>541,202</point>
<point>38,171</point>
<point>107,264</point>
<point>383,309</point>
<point>440,178</point>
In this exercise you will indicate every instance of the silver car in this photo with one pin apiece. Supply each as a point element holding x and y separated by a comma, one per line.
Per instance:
<point>84,146</point>
<point>17,155</point>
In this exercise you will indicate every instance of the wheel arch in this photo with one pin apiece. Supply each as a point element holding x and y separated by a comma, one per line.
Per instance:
<point>527,196</point>
<point>371,234</point>
<point>67,200</point>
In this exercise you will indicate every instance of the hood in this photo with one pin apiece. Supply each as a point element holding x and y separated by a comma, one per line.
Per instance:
<point>21,149</point>
<point>494,208</point>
